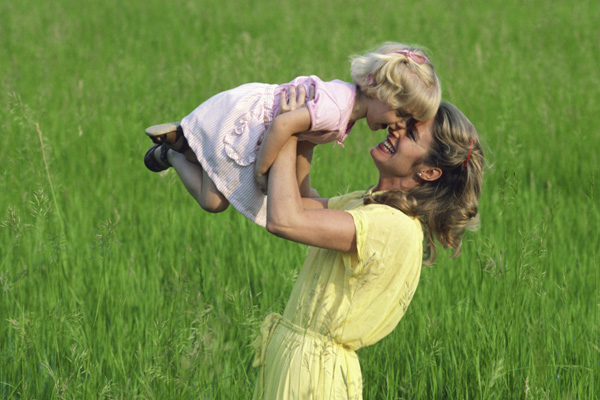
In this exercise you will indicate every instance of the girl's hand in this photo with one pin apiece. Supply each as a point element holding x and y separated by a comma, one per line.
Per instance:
<point>297,99</point>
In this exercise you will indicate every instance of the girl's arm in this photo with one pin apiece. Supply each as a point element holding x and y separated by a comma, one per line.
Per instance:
<point>280,130</point>
<point>305,221</point>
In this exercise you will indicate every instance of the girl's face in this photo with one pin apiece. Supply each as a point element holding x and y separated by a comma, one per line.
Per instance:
<point>381,115</point>
<point>400,155</point>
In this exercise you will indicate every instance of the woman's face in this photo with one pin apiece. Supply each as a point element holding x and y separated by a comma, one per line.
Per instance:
<point>400,156</point>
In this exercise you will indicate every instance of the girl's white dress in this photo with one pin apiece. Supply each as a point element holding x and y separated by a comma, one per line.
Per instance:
<point>225,133</point>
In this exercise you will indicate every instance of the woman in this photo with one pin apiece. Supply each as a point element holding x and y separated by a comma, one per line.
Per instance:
<point>364,266</point>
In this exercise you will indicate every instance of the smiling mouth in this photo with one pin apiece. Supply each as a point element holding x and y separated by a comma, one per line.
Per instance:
<point>388,146</point>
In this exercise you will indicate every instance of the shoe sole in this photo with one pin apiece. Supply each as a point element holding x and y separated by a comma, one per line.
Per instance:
<point>158,133</point>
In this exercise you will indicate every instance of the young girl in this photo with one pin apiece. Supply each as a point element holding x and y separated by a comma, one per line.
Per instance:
<point>234,137</point>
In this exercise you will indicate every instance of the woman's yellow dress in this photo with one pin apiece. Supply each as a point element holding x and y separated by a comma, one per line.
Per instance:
<point>340,303</point>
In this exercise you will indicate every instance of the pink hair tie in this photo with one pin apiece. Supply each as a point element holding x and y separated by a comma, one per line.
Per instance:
<point>419,59</point>
<point>469,153</point>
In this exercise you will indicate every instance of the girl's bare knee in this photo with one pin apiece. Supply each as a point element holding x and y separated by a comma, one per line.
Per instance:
<point>213,205</point>
<point>211,199</point>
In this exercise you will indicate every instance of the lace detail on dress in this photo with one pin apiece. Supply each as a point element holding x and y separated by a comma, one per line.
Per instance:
<point>243,142</point>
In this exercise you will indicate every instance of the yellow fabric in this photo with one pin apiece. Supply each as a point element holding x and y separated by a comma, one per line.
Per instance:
<point>340,303</point>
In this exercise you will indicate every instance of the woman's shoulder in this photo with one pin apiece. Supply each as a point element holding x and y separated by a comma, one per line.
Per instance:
<point>389,215</point>
<point>380,220</point>
<point>377,214</point>
<point>347,201</point>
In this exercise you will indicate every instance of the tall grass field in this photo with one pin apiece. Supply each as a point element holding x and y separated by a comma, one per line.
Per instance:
<point>115,284</point>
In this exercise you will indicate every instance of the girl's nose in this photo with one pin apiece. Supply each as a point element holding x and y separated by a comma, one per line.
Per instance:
<point>398,125</point>
<point>396,130</point>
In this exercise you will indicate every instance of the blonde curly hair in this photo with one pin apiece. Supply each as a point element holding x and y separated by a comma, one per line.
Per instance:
<point>448,205</point>
<point>400,75</point>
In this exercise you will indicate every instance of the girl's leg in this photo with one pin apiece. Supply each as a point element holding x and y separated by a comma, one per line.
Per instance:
<point>197,182</point>
<point>190,156</point>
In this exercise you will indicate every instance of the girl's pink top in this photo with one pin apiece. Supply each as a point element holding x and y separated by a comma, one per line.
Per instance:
<point>330,110</point>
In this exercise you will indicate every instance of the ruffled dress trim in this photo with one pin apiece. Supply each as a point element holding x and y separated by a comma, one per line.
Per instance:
<point>242,143</point>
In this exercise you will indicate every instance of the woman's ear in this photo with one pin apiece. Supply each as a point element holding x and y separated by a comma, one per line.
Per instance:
<point>430,174</point>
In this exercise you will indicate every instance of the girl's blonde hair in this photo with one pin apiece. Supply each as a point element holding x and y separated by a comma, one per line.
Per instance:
<point>448,205</point>
<point>401,76</point>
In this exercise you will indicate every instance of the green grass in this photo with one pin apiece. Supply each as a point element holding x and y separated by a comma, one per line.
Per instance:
<point>114,284</point>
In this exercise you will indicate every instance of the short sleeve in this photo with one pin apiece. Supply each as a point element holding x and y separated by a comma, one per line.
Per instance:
<point>325,114</point>
<point>332,105</point>
<point>381,231</point>
<point>353,262</point>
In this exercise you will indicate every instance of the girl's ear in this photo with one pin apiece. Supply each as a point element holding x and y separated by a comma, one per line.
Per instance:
<point>430,174</point>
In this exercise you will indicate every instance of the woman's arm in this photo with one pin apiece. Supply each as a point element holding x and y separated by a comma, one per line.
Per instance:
<point>280,130</point>
<point>314,203</point>
<point>304,158</point>
<point>288,216</point>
